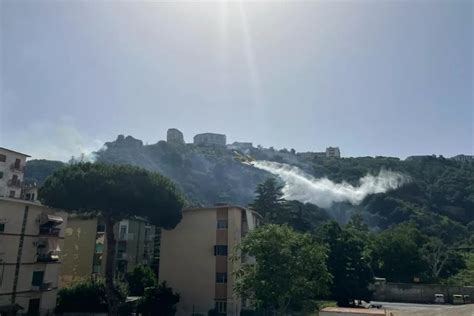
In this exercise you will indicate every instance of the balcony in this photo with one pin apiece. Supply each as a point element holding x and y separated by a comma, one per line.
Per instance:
<point>14,183</point>
<point>17,167</point>
<point>122,256</point>
<point>49,231</point>
<point>125,236</point>
<point>45,286</point>
<point>48,225</point>
<point>47,257</point>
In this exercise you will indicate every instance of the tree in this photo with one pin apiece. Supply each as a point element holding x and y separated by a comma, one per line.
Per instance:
<point>396,254</point>
<point>159,300</point>
<point>347,264</point>
<point>86,296</point>
<point>442,261</point>
<point>114,192</point>
<point>269,201</point>
<point>290,268</point>
<point>139,279</point>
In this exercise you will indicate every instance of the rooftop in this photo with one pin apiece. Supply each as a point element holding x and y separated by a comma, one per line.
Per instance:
<point>219,206</point>
<point>15,152</point>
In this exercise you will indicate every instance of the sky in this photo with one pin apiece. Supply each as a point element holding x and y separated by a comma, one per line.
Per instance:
<point>392,78</point>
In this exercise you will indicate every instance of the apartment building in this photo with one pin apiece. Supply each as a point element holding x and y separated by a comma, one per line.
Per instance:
<point>30,243</point>
<point>195,258</point>
<point>12,167</point>
<point>210,139</point>
<point>84,250</point>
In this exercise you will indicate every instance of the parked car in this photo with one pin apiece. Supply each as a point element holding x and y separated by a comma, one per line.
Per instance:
<point>439,299</point>
<point>458,299</point>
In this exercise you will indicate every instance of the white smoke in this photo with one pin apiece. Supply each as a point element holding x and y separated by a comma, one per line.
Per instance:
<point>323,192</point>
<point>58,140</point>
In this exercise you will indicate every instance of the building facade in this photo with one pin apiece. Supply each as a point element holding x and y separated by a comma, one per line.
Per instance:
<point>333,152</point>
<point>84,252</point>
<point>12,168</point>
<point>240,146</point>
<point>207,139</point>
<point>195,258</point>
<point>30,243</point>
<point>463,158</point>
<point>174,136</point>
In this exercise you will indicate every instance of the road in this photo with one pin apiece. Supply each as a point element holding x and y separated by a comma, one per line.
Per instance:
<point>400,309</point>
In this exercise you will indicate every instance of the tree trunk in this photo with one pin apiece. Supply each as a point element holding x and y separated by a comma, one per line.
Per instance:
<point>110,291</point>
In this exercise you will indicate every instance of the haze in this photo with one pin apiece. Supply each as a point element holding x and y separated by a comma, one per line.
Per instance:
<point>374,78</point>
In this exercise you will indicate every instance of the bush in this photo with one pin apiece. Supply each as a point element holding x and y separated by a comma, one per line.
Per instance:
<point>159,300</point>
<point>86,296</point>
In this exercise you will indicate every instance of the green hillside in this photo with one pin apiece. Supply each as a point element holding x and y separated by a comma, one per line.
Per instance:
<point>439,197</point>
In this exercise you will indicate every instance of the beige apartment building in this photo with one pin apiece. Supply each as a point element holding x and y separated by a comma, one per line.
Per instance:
<point>84,250</point>
<point>30,242</point>
<point>12,167</point>
<point>195,258</point>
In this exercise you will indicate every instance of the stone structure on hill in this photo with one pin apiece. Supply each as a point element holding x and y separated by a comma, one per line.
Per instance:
<point>174,136</point>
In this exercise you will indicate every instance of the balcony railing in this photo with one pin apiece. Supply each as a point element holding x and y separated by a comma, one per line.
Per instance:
<point>47,257</point>
<point>125,236</point>
<point>14,183</point>
<point>122,256</point>
<point>15,167</point>
<point>49,231</point>
<point>45,286</point>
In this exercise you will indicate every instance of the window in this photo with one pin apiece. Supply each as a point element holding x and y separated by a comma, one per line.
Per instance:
<point>12,194</point>
<point>99,248</point>
<point>3,158</point>
<point>37,279</point>
<point>100,228</point>
<point>220,250</point>
<point>222,224</point>
<point>96,269</point>
<point>221,277</point>
<point>221,307</point>
<point>1,174</point>
<point>17,163</point>
<point>2,227</point>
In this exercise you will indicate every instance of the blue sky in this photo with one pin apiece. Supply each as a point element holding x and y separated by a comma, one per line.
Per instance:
<point>388,78</point>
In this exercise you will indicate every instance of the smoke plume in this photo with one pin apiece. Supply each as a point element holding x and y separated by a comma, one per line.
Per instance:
<point>323,192</point>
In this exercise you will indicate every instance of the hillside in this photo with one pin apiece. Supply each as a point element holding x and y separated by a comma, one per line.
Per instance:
<point>440,194</point>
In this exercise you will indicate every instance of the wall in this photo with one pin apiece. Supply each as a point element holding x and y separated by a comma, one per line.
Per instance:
<point>187,260</point>
<point>12,213</point>
<point>78,251</point>
<point>235,236</point>
<point>417,293</point>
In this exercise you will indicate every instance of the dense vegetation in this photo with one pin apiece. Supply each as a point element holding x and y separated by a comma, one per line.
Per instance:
<point>89,296</point>
<point>439,198</point>
<point>291,270</point>
<point>404,252</point>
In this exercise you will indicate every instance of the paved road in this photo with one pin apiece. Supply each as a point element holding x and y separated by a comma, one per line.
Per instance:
<point>410,306</point>
<point>427,309</point>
